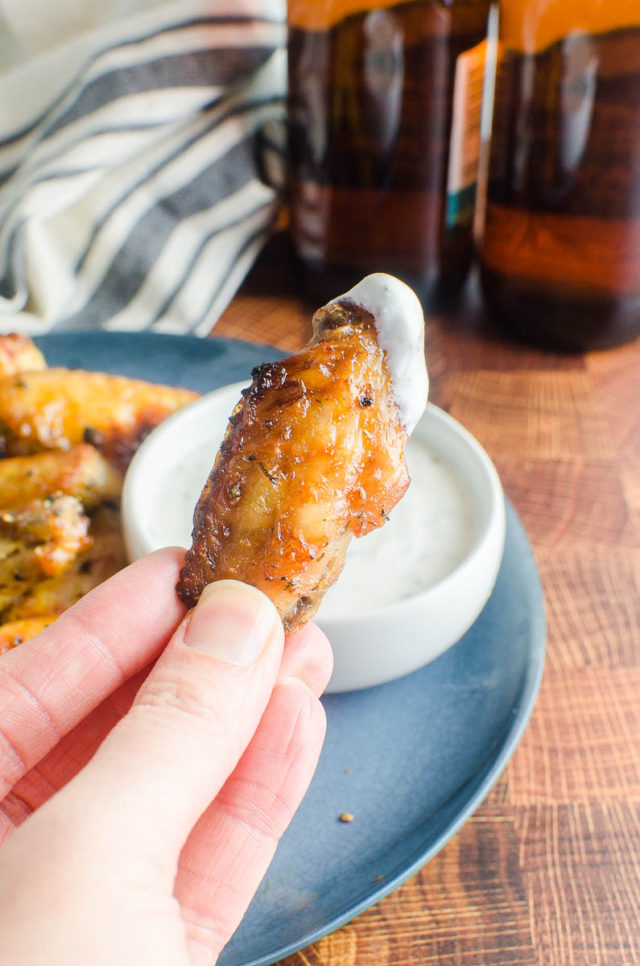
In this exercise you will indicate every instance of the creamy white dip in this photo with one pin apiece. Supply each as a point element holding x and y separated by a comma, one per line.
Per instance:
<point>400,325</point>
<point>428,533</point>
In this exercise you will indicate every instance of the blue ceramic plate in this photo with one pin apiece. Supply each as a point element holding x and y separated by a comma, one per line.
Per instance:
<point>411,759</point>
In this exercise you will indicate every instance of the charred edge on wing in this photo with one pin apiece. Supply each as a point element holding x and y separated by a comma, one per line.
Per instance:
<point>304,605</point>
<point>272,376</point>
<point>337,315</point>
<point>269,375</point>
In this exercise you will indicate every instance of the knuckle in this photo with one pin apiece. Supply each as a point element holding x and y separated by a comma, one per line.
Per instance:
<point>262,810</point>
<point>22,705</point>
<point>186,703</point>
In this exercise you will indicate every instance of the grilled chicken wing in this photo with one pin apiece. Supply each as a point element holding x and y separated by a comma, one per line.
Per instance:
<point>38,541</point>
<point>18,353</point>
<point>313,455</point>
<point>60,408</point>
<point>59,520</point>
<point>52,595</point>
<point>81,472</point>
<point>17,632</point>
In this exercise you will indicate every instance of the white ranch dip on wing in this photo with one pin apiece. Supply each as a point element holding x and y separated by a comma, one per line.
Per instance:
<point>400,324</point>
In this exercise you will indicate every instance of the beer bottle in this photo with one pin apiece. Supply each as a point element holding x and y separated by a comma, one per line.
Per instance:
<point>384,124</point>
<point>560,262</point>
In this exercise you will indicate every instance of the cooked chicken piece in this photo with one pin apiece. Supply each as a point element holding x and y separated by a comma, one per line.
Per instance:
<point>18,353</point>
<point>38,541</point>
<point>81,472</point>
<point>60,408</point>
<point>17,632</point>
<point>53,595</point>
<point>313,455</point>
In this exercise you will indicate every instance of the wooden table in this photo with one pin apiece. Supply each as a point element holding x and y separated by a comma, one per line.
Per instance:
<point>547,871</point>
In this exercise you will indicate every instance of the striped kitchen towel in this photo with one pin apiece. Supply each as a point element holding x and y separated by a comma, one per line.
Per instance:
<point>141,159</point>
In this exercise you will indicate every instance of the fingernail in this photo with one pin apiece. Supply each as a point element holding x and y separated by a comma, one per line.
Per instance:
<point>231,621</point>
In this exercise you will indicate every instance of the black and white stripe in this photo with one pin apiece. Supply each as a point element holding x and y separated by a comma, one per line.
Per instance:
<point>137,194</point>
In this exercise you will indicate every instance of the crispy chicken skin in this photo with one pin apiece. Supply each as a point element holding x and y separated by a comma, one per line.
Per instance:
<point>65,438</point>
<point>41,539</point>
<point>81,472</point>
<point>60,408</point>
<point>313,455</point>
<point>52,595</point>
<point>18,353</point>
<point>17,632</point>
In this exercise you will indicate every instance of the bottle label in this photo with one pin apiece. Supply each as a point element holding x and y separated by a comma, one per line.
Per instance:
<point>464,147</point>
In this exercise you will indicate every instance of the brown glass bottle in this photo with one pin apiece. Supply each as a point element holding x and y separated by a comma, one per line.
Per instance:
<point>560,262</point>
<point>372,117</point>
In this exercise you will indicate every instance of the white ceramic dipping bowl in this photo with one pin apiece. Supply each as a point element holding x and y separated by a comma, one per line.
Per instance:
<point>374,643</point>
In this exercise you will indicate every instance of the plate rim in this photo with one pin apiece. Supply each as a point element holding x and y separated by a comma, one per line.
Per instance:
<point>42,338</point>
<point>497,757</point>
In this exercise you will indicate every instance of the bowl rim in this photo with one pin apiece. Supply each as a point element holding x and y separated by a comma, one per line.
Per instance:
<point>495,515</point>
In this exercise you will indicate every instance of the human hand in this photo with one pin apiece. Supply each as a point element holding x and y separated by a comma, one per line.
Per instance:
<point>154,800</point>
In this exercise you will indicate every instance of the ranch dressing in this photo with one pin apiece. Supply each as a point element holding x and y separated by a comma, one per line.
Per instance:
<point>177,494</point>
<point>429,532</point>
<point>400,325</point>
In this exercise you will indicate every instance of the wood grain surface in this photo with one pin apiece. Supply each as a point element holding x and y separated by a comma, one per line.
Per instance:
<point>547,871</point>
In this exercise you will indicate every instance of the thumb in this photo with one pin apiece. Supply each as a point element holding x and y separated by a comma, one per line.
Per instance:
<point>166,760</point>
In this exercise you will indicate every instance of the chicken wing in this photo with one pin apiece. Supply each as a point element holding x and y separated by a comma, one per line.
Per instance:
<point>39,541</point>
<point>60,408</point>
<point>18,353</point>
<point>81,472</point>
<point>313,455</point>
<point>54,594</point>
<point>17,632</point>
<point>59,520</point>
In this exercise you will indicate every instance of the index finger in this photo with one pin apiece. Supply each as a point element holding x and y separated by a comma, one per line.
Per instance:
<point>49,684</point>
